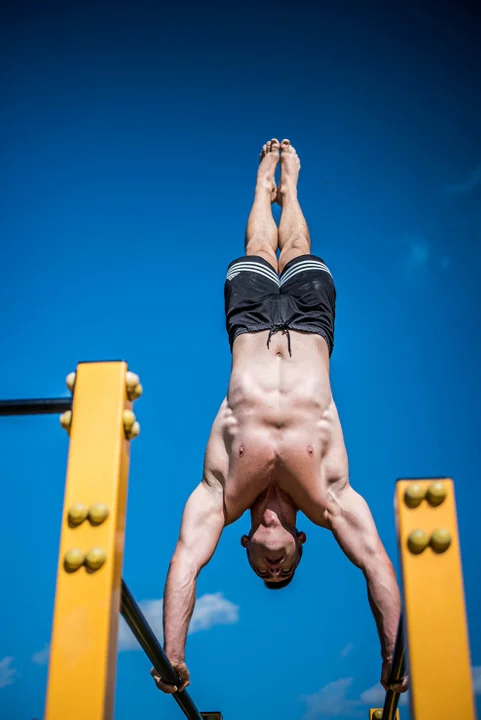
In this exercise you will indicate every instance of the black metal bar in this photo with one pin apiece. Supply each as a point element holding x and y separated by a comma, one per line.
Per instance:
<point>36,406</point>
<point>136,621</point>
<point>397,673</point>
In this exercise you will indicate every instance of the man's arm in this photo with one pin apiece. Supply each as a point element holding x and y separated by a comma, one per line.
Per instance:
<point>353,527</point>
<point>202,525</point>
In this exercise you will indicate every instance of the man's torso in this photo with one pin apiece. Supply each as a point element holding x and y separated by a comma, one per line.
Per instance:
<point>279,425</point>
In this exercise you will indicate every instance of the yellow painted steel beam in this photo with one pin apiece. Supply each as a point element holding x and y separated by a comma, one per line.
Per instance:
<point>83,660</point>
<point>434,607</point>
<point>376,714</point>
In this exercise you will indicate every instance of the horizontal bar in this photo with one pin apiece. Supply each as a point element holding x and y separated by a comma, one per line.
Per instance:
<point>136,621</point>
<point>36,406</point>
<point>397,673</point>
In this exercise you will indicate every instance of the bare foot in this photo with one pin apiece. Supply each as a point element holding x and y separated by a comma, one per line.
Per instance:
<point>290,167</point>
<point>269,158</point>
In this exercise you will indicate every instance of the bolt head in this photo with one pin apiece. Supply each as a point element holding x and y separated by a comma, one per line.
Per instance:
<point>440,540</point>
<point>129,419</point>
<point>95,558</point>
<point>66,419</point>
<point>77,514</point>
<point>418,541</point>
<point>414,495</point>
<point>98,513</point>
<point>135,431</point>
<point>134,388</point>
<point>436,494</point>
<point>73,559</point>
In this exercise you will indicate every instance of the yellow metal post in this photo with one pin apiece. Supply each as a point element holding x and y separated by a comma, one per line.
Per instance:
<point>83,651</point>
<point>434,608</point>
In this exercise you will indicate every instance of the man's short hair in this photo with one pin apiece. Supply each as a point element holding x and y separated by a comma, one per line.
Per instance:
<point>283,583</point>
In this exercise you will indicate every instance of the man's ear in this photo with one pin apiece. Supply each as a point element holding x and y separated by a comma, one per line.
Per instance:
<point>244,541</point>
<point>301,536</point>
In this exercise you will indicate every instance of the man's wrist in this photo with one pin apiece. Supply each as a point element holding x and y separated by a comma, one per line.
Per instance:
<point>174,654</point>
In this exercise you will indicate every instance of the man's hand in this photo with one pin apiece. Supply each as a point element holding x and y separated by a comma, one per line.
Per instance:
<point>385,675</point>
<point>181,669</point>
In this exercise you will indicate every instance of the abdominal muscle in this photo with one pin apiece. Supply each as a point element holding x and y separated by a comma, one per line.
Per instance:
<point>280,424</point>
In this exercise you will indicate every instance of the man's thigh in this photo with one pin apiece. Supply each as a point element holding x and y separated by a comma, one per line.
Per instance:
<point>263,251</point>
<point>251,295</point>
<point>308,282</point>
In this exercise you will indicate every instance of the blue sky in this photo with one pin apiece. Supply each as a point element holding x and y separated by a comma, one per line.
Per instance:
<point>129,144</point>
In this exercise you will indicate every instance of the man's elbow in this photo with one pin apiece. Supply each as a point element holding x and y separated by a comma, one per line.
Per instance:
<point>374,560</point>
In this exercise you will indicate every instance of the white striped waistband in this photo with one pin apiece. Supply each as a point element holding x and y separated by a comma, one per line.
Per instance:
<point>270,274</point>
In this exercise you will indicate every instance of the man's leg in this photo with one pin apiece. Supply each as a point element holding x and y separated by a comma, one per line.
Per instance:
<point>294,238</point>
<point>261,232</point>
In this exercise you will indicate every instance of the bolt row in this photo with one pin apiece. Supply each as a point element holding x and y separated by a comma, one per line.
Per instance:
<point>439,540</point>
<point>435,494</point>
<point>97,514</point>
<point>93,559</point>
<point>134,391</point>
<point>132,382</point>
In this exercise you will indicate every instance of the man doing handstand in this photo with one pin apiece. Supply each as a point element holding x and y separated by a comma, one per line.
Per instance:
<point>276,446</point>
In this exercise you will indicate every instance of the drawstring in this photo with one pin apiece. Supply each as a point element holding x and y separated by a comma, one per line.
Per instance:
<point>285,331</point>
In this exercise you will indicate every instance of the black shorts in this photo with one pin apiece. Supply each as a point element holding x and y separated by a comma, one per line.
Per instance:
<point>302,298</point>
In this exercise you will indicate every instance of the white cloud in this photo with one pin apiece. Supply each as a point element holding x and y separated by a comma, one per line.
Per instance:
<point>473,179</point>
<point>211,609</point>
<point>375,695</point>
<point>346,650</point>
<point>7,673</point>
<point>41,657</point>
<point>476,670</point>
<point>331,701</point>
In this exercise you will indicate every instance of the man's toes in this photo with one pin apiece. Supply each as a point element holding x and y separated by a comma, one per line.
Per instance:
<point>263,151</point>
<point>273,145</point>
<point>285,144</point>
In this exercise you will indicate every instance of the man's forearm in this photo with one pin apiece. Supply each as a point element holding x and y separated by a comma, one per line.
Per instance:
<point>385,602</point>
<point>179,602</point>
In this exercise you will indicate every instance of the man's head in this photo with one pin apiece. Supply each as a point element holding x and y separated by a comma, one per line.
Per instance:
<point>274,551</point>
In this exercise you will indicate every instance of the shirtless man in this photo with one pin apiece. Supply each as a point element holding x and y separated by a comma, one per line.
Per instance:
<point>276,446</point>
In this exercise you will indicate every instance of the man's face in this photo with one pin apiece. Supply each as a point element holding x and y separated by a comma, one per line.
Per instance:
<point>273,552</point>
